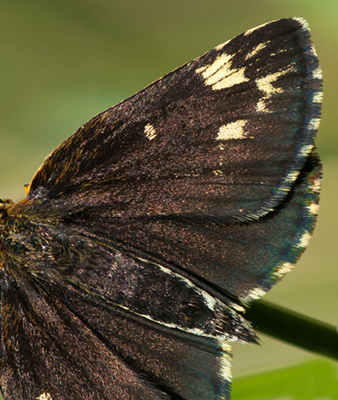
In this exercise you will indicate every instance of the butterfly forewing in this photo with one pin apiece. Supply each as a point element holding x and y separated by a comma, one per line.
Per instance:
<point>172,172</point>
<point>124,271</point>
<point>222,136</point>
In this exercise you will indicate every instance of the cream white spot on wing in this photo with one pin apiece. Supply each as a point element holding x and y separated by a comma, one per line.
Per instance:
<point>238,307</point>
<point>318,97</point>
<point>303,22</point>
<point>260,107</point>
<point>209,70</point>
<point>304,240</point>
<point>255,294</point>
<point>225,370</point>
<point>265,85</point>
<point>44,396</point>
<point>220,75</point>
<point>316,185</point>
<point>314,123</point>
<point>283,269</point>
<point>150,132</point>
<point>317,73</point>
<point>305,150</point>
<point>232,130</point>
<point>255,50</point>
<point>291,177</point>
<point>313,208</point>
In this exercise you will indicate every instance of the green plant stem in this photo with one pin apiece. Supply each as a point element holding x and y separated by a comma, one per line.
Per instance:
<point>294,328</point>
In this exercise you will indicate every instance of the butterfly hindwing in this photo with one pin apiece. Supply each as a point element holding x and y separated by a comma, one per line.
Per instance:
<point>47,353</point>
<point>71,343</point>
<point>182,365</point>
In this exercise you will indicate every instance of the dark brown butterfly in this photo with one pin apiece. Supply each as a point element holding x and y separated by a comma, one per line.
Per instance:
<point>144,235</point>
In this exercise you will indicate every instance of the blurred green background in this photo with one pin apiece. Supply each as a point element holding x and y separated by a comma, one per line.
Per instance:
<point>63,61</point>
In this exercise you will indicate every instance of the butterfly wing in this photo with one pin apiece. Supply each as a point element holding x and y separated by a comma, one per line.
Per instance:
<point>48,353</point>
<point>208,176</point>
<point>64,336</point>
<point>181,171</point>
<point>67,334</point>
<point>241,259</point>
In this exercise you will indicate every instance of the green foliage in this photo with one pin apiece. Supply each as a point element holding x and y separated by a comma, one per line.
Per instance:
<point>314,380</point>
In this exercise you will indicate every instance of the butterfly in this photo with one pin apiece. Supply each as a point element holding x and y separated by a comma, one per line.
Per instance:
<point>126,271</point>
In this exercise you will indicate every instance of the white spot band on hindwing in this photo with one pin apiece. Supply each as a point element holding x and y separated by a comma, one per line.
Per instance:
<point>209,301</point>
<point>225,367</point>
<point>220,74</point>
<point>255,294</point>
